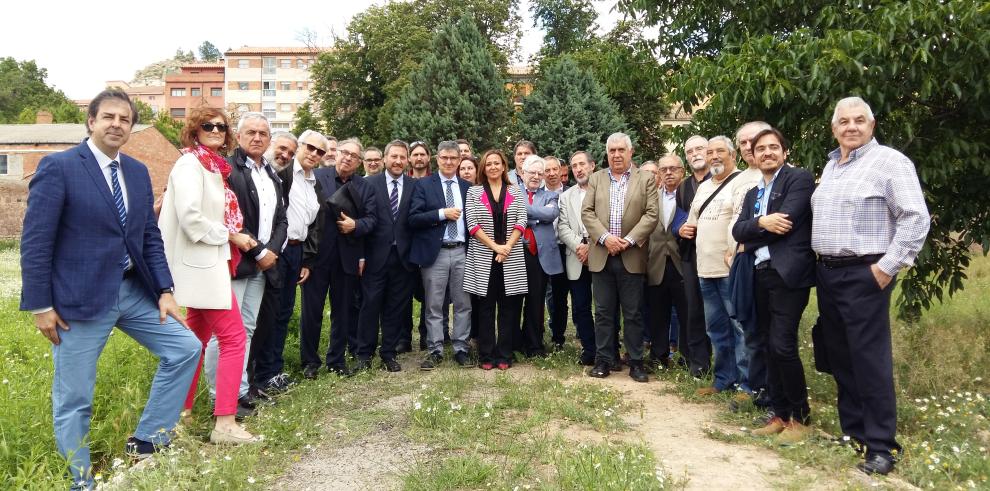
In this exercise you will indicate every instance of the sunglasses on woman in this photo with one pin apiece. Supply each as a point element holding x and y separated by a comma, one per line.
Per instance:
<point>208,127</point>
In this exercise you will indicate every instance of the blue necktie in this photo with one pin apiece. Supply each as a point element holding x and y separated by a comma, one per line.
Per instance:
<point>393,199</point>
<point>118,199</point>
<point>451,225</point>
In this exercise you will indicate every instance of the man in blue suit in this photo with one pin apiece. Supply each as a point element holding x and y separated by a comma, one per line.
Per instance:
<point>387,283</point>
<point>338,265</point>
<point>542,253</point>
<point>775,226</point>
<point>91,258</point>
<point>439,247</point>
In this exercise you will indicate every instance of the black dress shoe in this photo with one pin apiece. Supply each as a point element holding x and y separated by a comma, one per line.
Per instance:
<point>431,361</point>
<point>390,365</point>
<point>616,365</point>
<point>638,373</point>
<point>243,410</point>
<point>600,370</point>
<point>362,364</point>
<point>138,449</point>
<point>877,464</point>
<point>311,371</point>
<point>587,359</point>
<point>249,401</point>
<point>403,347</point>
<point>340,370</point>
<point>462,359</point>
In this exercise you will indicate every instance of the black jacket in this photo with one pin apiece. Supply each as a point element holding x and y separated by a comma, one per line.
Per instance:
<point>685,195</point>
<point>791,253</point>
<point>312,244</point>
<point>386,229</point>
<point>247,198</point>
<point>331,241</point>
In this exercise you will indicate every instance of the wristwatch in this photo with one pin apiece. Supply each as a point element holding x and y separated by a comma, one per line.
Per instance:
<point>166,290</point>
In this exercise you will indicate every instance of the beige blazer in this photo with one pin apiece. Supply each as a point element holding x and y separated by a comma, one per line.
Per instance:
<point>639,218</point>
<point>663,244</point>
<point>196,240</point>
<point>570,230</point>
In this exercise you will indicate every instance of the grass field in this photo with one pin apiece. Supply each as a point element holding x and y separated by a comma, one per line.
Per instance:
<point>942,366</point>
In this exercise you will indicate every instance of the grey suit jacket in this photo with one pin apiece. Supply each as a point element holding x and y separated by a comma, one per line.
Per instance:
<point>663,244</point>
<point>540,217</point>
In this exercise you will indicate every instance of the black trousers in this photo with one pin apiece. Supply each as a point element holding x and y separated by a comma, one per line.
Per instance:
<point>531,341</point>
<point>778,316</point>
<point>494,348</point>
<point>557,302</point>
<point>614,287</point>
<point>584,322</point>
<point>386,301</point>
<point>263,328</point>
<point>695,346</point>
<point>669,294</point>
<point>344,290</point>
<point>855,319</point>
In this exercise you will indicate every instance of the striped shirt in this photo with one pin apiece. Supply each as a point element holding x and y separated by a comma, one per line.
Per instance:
<point>616,200</point>
<point>871,204</point>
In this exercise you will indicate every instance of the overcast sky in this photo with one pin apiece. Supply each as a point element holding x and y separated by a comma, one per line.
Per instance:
<point>84,44</point>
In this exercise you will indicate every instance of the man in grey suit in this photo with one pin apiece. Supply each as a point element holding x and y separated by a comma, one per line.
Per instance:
<point>619,212</point>
<point>572,233</point>
<point>665,285</point>
<point>542,253</point>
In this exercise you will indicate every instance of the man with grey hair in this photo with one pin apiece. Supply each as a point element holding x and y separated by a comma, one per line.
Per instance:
<point>744,141</point>
<point>870,222</point>
<point>302,191</point>
<point>282,150</point>
<point>542,254</point>
<point>261,201</point>
<point>573,234</point>
<point>696,348</point>
<point>439,247</point>
<point>619,211</point>
<point>710,219</point>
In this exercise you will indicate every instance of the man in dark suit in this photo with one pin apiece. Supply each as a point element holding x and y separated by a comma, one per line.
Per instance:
<point>558,286</point>
<point>439,247</point>
<point>91,258</point>
<point>665,284</point>
<point>338,265</point>
<point>387,283</point>
<point>302,191</point>
<point>775,226</point>
<point>542,253</point>
<point>259,195</point>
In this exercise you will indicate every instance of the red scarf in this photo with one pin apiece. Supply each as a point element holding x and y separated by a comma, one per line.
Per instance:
<point>232,217</point>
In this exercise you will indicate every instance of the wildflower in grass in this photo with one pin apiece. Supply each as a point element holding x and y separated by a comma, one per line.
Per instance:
<point>250,480</point>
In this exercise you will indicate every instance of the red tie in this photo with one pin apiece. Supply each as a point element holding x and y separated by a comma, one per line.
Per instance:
<point>528,235</point>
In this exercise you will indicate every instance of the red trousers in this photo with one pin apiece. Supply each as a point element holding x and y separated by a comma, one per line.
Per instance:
<point>228,327</point>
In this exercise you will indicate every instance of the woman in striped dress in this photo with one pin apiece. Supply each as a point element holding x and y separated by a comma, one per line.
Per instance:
<point>495,271</point>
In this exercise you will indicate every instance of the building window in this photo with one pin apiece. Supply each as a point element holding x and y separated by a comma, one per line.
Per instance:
<point>301,85</point>
<point>268,109</point>
<point>280,126</point>
<point>285,108</point>
<point>216,91</point>
<point>244,108</point>
<point>151,97</point>
<point>268,65</point>
<point>268,88</point>
<point>3,165</point>
<point>286,62</point>
<point>301,64</point>
<point>243,63</point>
<point>195,92</point>
<point>178,92</point>
<point>178,112</point>
<point>242,86</point>
<point>285,85</point>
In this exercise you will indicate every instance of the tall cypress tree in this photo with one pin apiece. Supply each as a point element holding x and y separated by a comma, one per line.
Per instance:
<point>457,92</point>
<point>569,111</point>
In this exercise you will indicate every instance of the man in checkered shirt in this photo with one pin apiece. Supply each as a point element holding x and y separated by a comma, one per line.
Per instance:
<point>870,221</point>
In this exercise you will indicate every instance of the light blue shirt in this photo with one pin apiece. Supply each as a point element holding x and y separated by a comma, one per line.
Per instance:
<point>455,189</point>
<point>763,254</point>
<point>388,185</point>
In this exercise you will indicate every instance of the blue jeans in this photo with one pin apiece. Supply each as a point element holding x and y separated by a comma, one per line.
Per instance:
<point>584,323</point>
<point>726,334</point>
<point>136,314</point>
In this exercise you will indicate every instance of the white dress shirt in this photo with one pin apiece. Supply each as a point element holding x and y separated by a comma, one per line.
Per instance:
<point>267,202</point>
<point>104,162</point>
<point>668,204</point>
<point>304,204</point>
<point>455,189</point>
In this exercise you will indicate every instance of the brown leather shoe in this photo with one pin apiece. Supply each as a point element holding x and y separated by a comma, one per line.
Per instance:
<point>706,391</point>
<point>794,433</point>
<point>774,426</point>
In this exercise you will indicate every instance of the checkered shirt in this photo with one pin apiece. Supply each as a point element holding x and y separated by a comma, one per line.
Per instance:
<point>616,200</point>
<point>872,204</point>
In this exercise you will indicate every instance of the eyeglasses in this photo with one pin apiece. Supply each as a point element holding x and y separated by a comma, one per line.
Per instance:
<point>672,170</point>
<point>348,155</point>
<point>208,127</point>
<point>313,148</point>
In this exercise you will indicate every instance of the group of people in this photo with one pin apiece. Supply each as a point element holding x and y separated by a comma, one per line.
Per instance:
<point>725,256</point>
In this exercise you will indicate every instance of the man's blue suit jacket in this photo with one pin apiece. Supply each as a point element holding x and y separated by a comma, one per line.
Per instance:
<point>72,243</point>
<point>540,216</point>
<point>424,218</point>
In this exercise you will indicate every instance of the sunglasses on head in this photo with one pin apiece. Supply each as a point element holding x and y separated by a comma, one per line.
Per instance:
<point>208,127</point>
<point>313,148</point>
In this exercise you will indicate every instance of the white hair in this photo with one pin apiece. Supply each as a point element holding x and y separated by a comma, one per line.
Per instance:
<point>252,115</point>
<point>761,125</point>
<point>724,139</point>
<point>617,137</point>
<point>672,156</point>
<point>532,161</point>
<point>285,134</point>
<point>687,142</point>
<point>849,102</point>
<point>308,133</point>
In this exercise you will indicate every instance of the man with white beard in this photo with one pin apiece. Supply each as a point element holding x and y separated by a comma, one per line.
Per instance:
<point>697,348</point>
<point>282,151</point>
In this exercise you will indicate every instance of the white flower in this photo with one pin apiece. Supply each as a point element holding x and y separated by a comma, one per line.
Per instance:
<point>227,458</point>
<point>418,405</point>
<point>250,480</point>
<point>116,463</point>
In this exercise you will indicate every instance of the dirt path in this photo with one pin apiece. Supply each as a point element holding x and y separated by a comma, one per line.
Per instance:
<point>675,430</point>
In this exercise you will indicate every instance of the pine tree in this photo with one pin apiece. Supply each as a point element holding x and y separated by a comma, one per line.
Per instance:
<point>457,92</point>
<point>569,111</point>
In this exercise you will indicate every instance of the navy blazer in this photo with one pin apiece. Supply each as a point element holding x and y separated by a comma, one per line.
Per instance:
<point>387,229</point>
<point>350,246</point>
<point>424,218</point>
<point>791,253</point>
<point>72,242</point>
<point>242,185</point>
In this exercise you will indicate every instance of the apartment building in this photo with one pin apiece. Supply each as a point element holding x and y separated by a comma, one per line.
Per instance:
<point>196,84</point>
<point>274,81</point>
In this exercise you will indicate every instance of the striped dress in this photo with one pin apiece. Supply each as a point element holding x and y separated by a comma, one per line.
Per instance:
<point>478,265</point>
